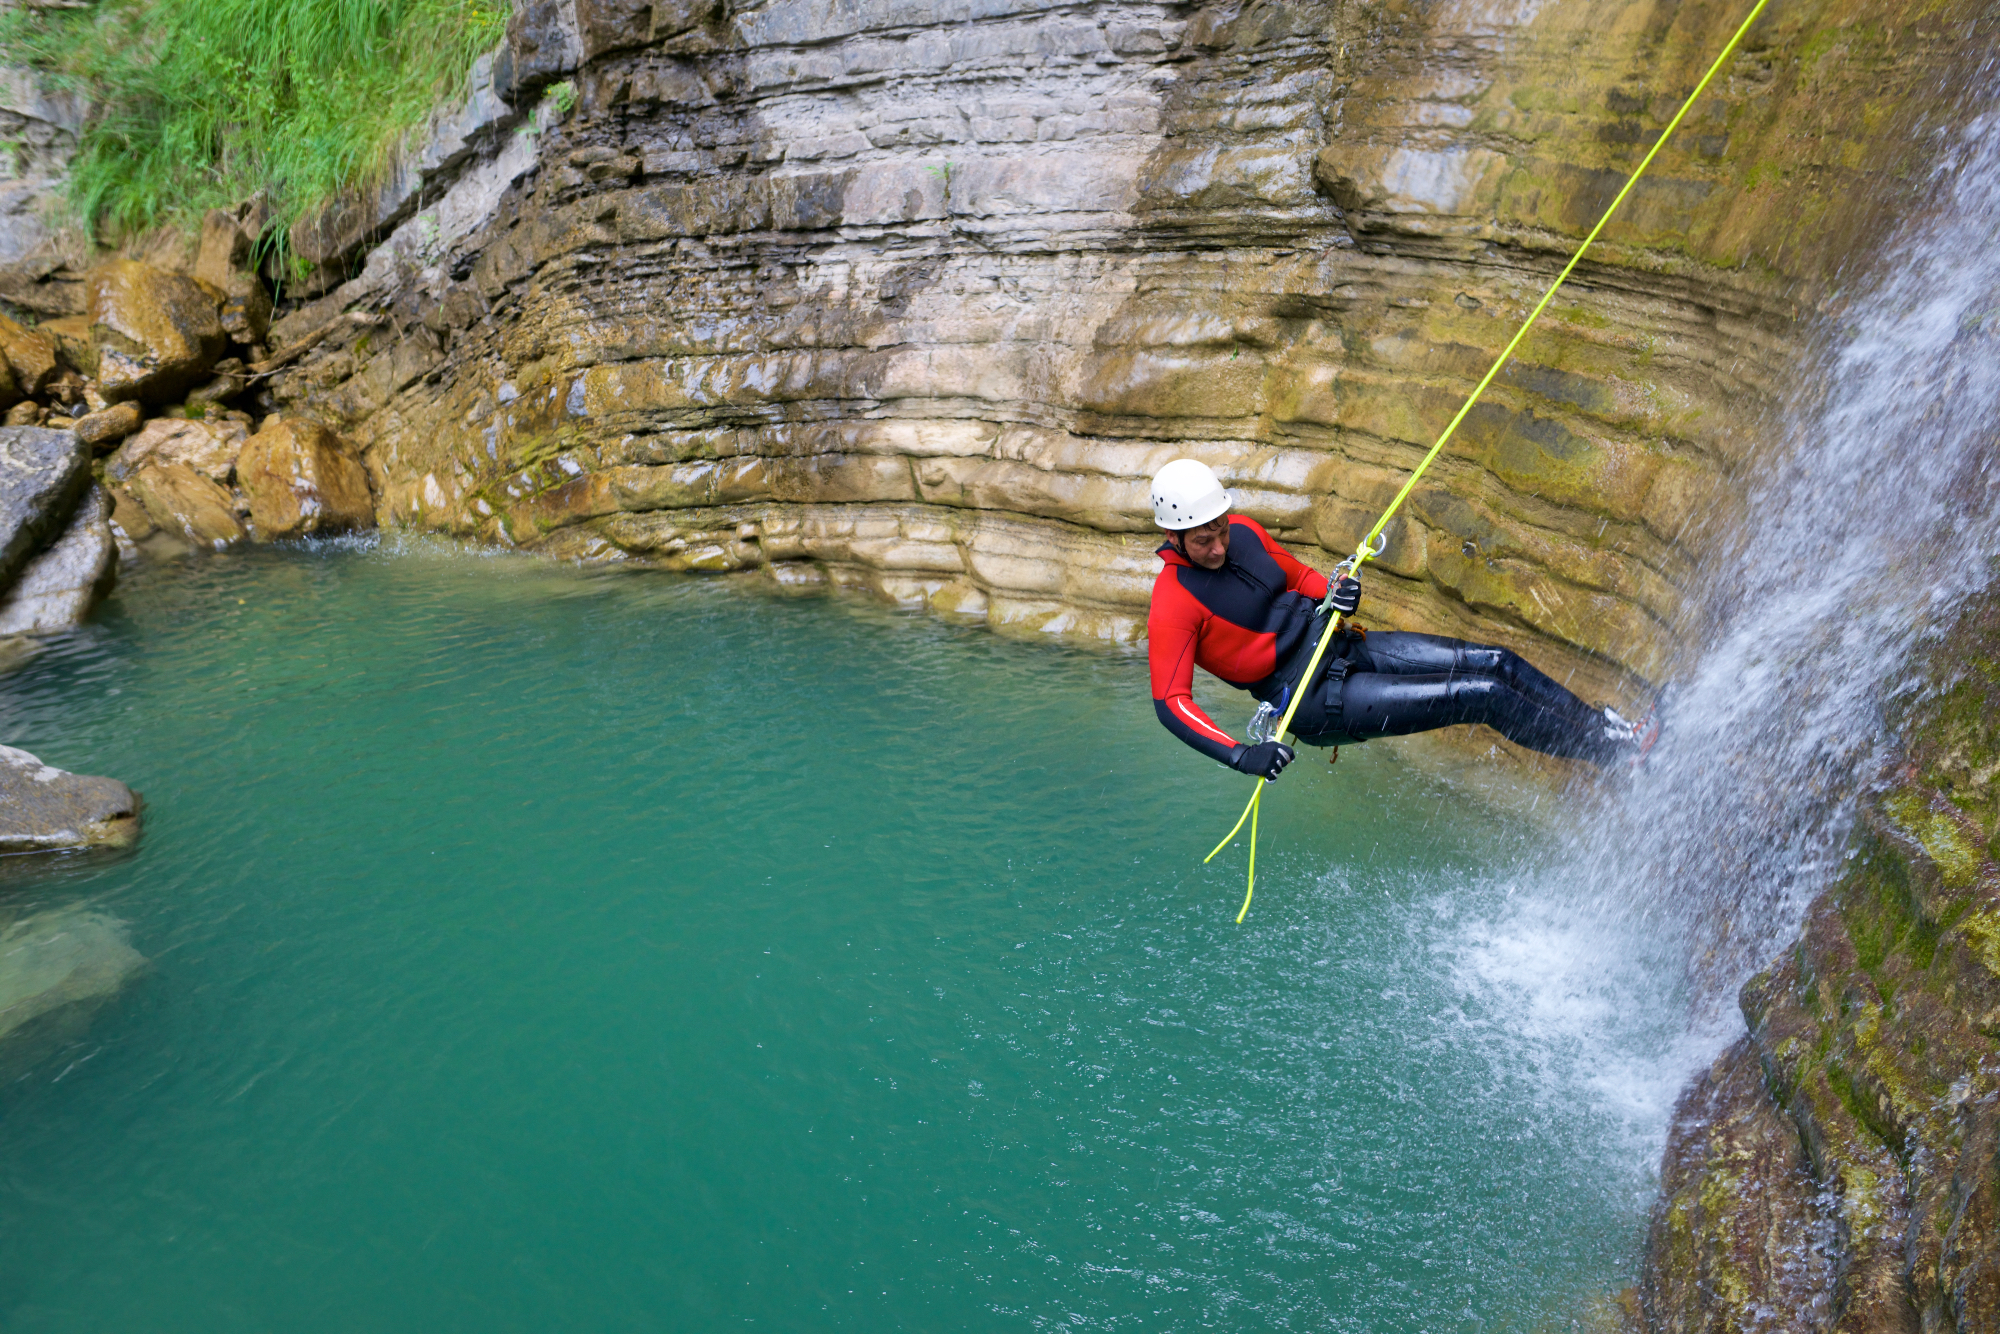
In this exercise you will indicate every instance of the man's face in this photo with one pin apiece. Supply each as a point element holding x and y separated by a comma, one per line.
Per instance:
<point>1208,545</point>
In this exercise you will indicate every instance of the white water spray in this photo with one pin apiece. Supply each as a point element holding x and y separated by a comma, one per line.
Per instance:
<point>1875,516</point>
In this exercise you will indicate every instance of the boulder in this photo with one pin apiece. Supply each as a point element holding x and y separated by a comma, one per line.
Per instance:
<point>208,447</point>
<point>187,504</point>
<point>156,333</point>
<point>30,357</point>
<point>299,480</point>
<point>223,263</point>
<point>70,336</point>
<point>63,585</point>
<point>43,809</point>
<point>60,964</point>
<point>224,250</point>
<point>25,413</point>
<point>42,473</point>
<point>128,516</point>
<point>103,430</point>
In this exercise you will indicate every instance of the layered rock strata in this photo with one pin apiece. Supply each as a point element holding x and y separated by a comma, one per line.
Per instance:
<point>915,299</point>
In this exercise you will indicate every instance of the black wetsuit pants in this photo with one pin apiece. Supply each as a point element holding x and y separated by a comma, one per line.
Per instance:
<point>1395,682</point>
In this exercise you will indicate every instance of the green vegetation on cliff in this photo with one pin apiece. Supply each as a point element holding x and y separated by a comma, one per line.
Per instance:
<point>201,103</point>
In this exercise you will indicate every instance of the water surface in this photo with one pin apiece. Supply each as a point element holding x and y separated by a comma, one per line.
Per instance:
<point>538,949</point>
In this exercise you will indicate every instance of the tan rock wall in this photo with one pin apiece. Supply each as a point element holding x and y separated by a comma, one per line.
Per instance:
<point>915,300</point>
<point>1870,1066</point>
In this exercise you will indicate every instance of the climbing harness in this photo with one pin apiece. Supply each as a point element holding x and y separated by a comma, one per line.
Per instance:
<point>1373,544</point>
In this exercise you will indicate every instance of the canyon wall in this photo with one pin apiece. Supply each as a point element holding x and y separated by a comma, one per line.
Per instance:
<point>914,297</point>
<point>1839,1168</point>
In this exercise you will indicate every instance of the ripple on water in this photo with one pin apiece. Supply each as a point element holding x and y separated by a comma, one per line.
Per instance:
<point>536,947</point>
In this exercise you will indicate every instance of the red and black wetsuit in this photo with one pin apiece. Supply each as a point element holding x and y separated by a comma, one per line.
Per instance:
<point>1243,621</point>
<point>1240,623</point>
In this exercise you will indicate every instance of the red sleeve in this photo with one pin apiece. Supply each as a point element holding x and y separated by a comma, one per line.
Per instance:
<point>1299,577</point>
<point>1173,630</point>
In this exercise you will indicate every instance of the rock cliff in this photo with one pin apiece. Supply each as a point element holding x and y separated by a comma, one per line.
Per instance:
<point>1839,1169</point>
<point>913,298</point>
<point>38,125</point>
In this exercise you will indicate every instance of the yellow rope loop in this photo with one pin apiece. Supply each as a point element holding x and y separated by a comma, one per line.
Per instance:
<point>1256,801</point>
<point>1368,548</point>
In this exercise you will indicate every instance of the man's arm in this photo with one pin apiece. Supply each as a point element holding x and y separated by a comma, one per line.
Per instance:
<point>1171,634</point>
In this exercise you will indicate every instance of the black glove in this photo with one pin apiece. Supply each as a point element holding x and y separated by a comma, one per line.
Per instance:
<point>1346,595</point>
<point>1266,759</point>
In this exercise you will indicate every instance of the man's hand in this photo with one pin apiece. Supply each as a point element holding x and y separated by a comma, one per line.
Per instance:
<point>1346,595</point>
<point>1266,759</point>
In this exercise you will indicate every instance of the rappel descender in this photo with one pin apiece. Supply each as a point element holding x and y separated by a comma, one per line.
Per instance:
<point>1263,724</point>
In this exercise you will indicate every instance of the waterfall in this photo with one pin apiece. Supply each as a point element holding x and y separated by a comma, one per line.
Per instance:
<point>1614,963</point>
<point>1874,521</point>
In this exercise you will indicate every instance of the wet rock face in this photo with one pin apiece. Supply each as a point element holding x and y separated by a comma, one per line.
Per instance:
<point>1874,1039</point>
<point>299,481</point>
<point>44,809</point>
<point>1739,1239</point>
<point>188,504</point>
<point>916,302</point>
<point>155,333</point>
<point>61,587</point>
<point>42,473</point>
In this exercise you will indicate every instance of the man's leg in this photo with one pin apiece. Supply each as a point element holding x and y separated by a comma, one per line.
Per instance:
<point>1381,704</point>
<point>1407,653</point>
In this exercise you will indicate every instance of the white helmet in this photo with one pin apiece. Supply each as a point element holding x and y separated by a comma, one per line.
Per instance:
<point>1186,495</point>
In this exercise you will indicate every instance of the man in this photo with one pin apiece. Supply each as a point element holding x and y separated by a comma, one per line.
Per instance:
<point>1236,604</point>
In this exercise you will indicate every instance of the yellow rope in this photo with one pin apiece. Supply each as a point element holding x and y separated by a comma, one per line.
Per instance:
<point>1366,550</point>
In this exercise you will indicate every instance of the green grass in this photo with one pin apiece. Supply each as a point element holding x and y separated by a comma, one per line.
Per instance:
<point>202,103</point>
